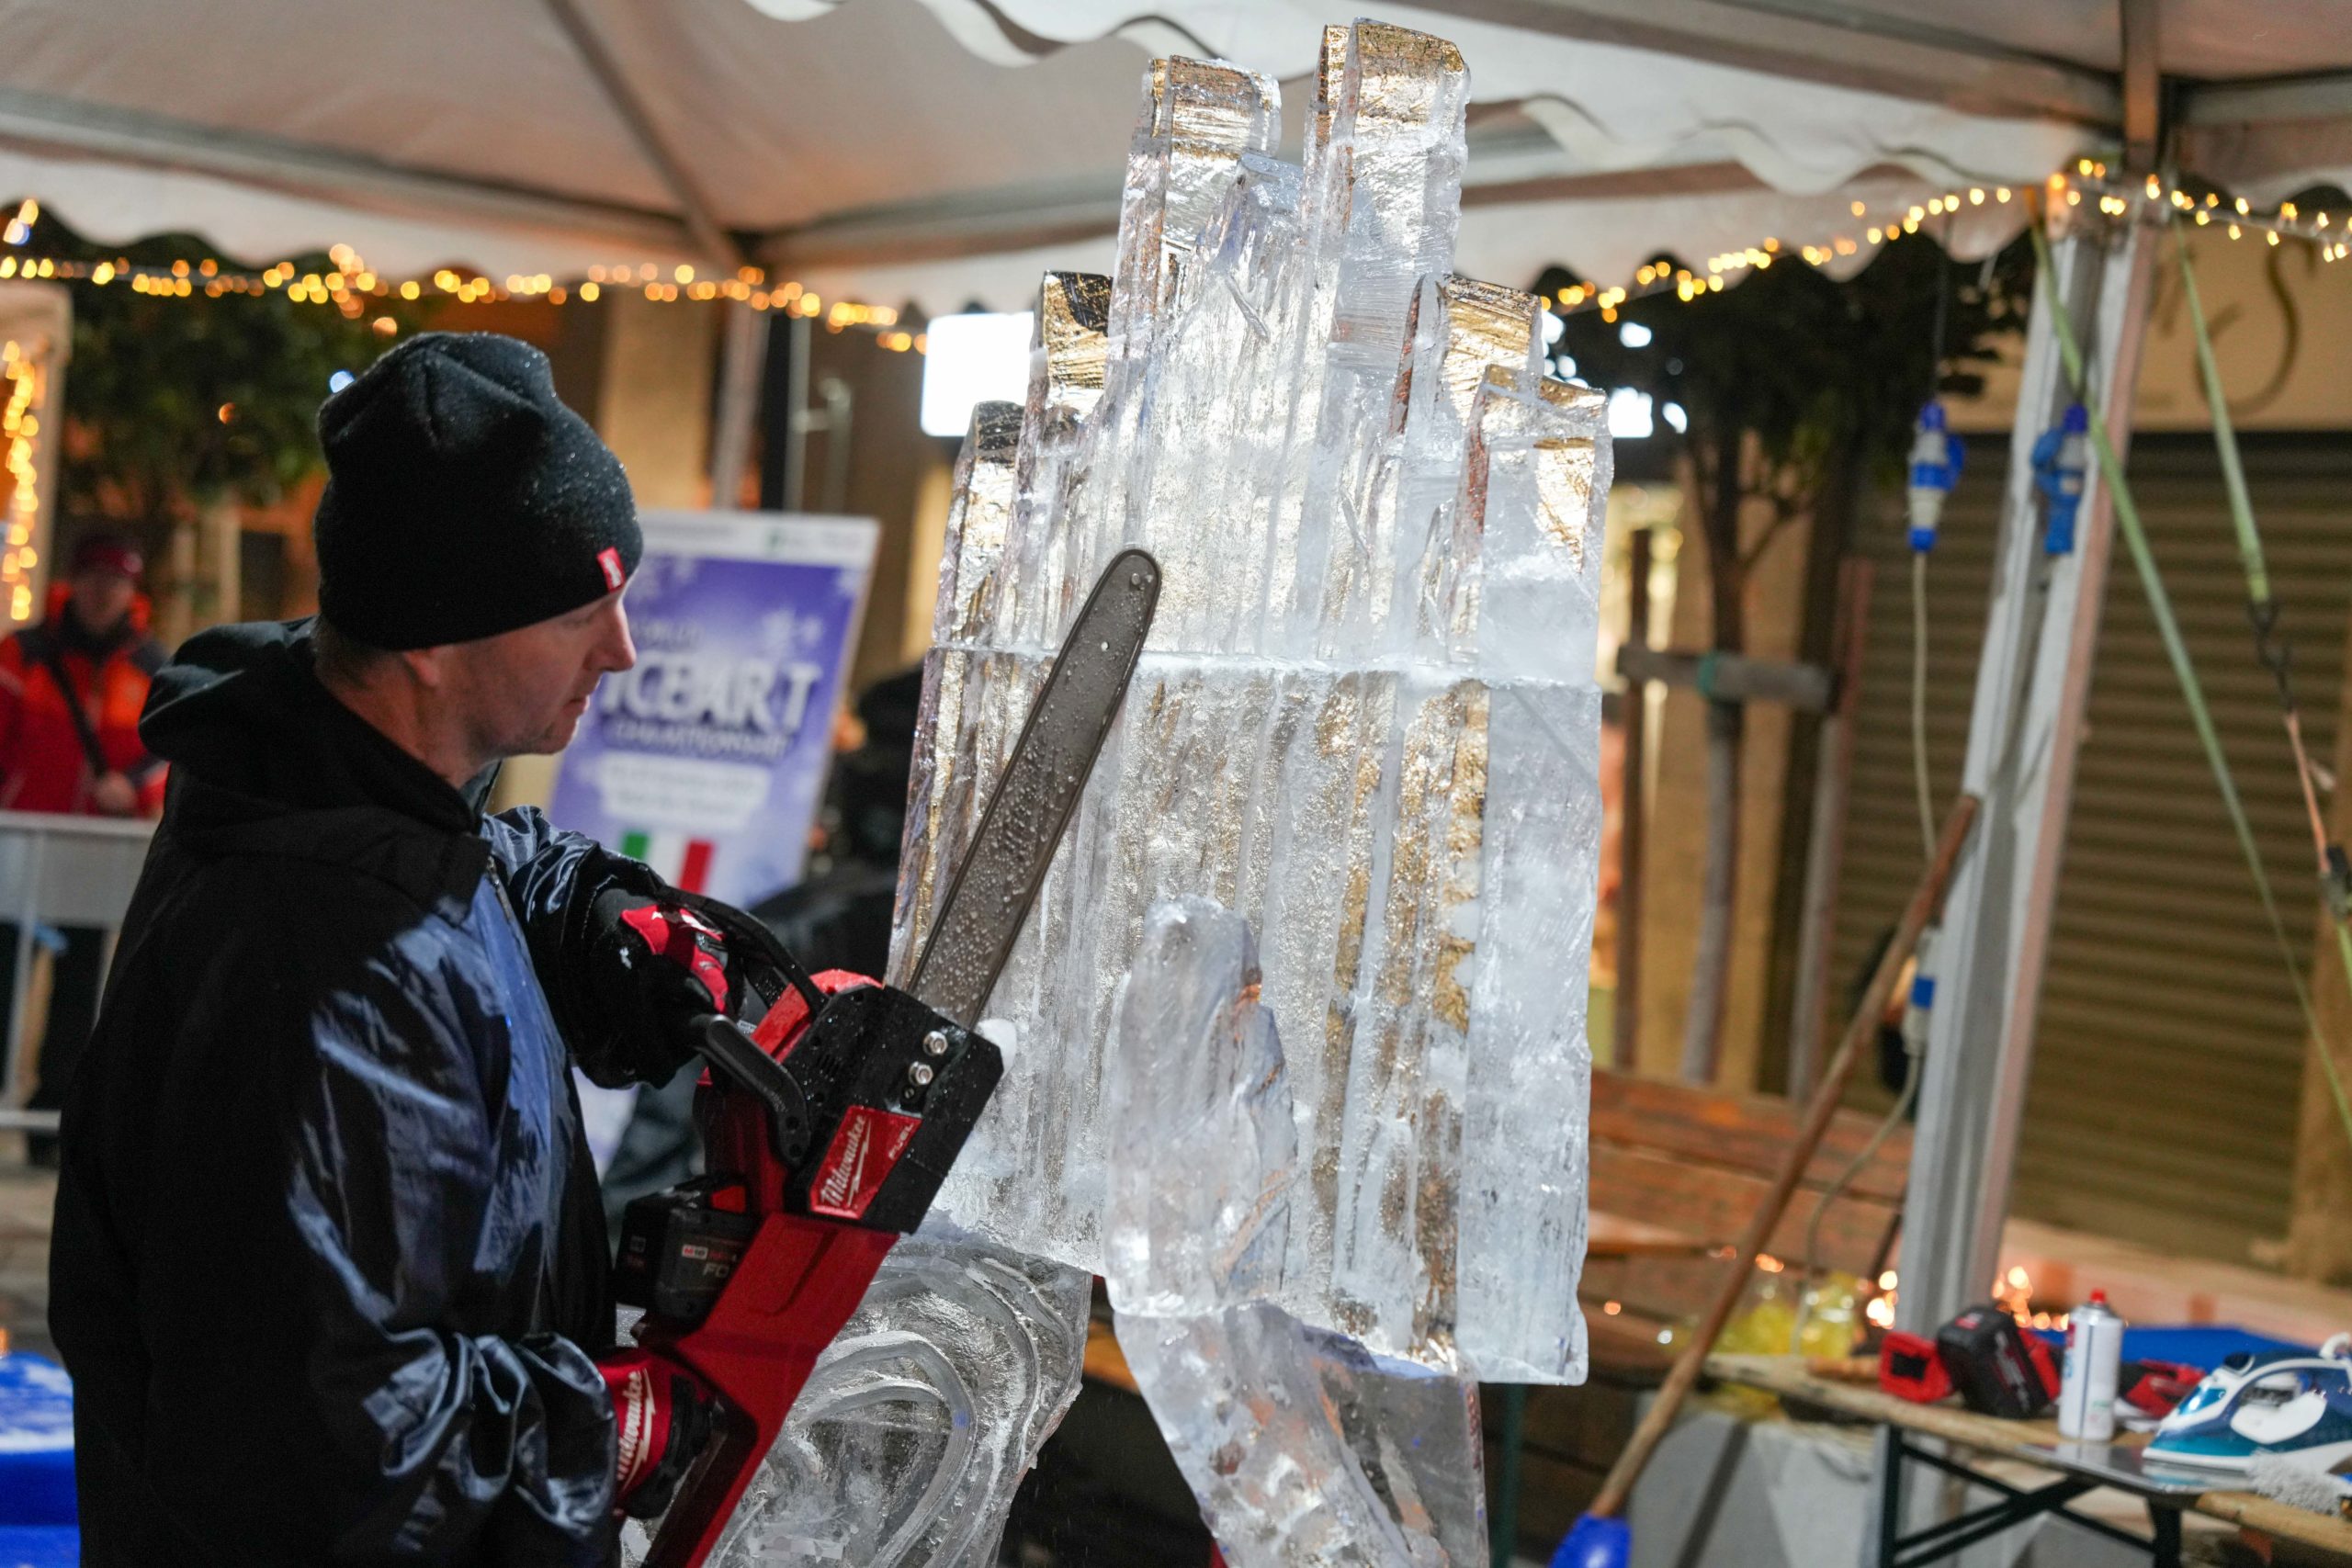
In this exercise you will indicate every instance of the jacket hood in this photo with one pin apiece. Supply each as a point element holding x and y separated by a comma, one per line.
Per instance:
<point>261,752</point>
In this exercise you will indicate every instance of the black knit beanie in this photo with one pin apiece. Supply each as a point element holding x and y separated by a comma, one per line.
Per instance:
<point>463,498</point>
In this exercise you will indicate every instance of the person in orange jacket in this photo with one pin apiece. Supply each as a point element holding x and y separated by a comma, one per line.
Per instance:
<point>71,691</point>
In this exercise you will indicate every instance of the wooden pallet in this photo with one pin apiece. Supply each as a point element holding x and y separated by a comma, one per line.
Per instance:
<point>1680,1170</point>
<point>1676,1173</point>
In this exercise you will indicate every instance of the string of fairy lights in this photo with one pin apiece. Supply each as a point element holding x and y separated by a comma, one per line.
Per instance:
<point>24,376</point>
<point>350,286</point>
<point>2089,180</point>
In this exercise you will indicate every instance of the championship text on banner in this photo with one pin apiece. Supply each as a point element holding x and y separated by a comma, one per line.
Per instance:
<point>708,759</point>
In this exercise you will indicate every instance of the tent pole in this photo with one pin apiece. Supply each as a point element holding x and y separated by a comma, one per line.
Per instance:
<point>2025,730</point>
<point>743,336</point>
<point>602,64</point>
<point>2142,86</point>
<point>743,354</point>
<point>1633,818</point>
<point>796,417</point>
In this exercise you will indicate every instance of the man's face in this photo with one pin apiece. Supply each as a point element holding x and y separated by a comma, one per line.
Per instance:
<point>524,691</point>
<point>101,599</point>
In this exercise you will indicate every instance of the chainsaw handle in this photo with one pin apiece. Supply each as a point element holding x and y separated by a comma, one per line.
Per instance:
<point>733,1055</point>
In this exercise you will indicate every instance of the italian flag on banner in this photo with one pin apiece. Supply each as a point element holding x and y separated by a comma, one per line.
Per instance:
<point>676,859</point>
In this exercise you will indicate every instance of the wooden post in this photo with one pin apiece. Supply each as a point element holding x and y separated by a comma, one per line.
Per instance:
<point>1633,805</point>
<point>224,533</point>
<point>1825,843</point>
<point>1727,684</point>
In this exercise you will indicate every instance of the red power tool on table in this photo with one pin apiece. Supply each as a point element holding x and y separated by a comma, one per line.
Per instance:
<point>828,1129</point>
<point>1995,1367</point>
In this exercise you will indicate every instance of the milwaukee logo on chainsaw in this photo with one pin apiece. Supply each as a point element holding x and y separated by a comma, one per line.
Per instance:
<point>635,1404</point>
<point>863,1154</point>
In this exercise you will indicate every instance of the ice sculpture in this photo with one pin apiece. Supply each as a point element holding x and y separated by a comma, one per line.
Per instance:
<point>1304,1451</point>
<point>1366,722</point>
<point>1366,719</point>
<point>908,1441</point>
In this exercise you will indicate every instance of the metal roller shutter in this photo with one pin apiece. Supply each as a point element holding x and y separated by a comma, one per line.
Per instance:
<point>2169,1058</point>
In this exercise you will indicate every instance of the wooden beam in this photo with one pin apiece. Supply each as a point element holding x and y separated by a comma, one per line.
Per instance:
<point>735,404</point>
<point>1731,677</point>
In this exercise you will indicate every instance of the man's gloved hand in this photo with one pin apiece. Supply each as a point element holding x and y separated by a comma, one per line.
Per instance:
<point>652,960</point>
<point>659,966</point>
<point>663,1416</point>
<point>679,957</point>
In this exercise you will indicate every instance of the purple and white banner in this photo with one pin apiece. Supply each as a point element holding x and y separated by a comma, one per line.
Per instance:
<point>708,761</point>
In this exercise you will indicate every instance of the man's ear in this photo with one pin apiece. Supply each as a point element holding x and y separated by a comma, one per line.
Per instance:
<point>429,667</point>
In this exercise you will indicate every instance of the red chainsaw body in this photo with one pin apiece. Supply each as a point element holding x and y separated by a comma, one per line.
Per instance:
<point>796,1285</point>
<point>825,1219</point>
<point>788,1298</point>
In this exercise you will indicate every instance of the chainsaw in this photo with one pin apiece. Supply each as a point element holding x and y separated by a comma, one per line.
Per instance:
<point>829,1126</point>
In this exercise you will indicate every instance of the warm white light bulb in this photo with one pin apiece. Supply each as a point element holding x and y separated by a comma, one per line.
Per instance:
<point>1629,415</point>
<point>973,359</point>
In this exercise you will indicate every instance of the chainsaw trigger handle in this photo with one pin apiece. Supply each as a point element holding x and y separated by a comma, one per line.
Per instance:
<point>732,1056</point>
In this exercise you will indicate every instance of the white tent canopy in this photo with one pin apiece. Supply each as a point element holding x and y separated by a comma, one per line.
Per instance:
<point>943,150</point>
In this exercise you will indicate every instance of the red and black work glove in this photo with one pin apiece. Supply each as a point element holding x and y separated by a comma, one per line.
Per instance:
<point>659,966</point>
<point>679,958</point>
<point>663,1416</point>
<point>655,963</point>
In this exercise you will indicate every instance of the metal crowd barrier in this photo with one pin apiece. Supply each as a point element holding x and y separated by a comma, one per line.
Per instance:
<point>58,871</point>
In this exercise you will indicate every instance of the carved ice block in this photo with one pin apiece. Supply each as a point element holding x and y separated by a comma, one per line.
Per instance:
<point>919,1422</point>
<point>1304,1451</point>
<point>1308,1452</point>
<point>1366,719</point>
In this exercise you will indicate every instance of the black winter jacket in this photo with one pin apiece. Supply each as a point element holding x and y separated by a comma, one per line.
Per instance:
<point>328,1268</point>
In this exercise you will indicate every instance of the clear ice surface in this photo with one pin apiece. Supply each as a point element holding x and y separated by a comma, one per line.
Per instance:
<point>1304,1451</point>
<point>1366,719</point>
<point>904,1448</point>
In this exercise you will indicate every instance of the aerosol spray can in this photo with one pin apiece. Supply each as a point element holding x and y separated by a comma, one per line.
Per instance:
<point>2093,1356</point>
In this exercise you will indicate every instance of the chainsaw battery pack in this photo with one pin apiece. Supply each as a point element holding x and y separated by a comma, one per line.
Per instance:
<point>678,1250</point>
<point>1910,1367</point>
<point>1997,1368</point>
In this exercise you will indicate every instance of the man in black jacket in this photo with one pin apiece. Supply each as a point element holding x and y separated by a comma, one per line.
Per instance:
<point>328,1270</point>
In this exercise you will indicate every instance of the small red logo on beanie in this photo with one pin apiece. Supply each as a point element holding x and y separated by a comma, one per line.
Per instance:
<point>610,560</point>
